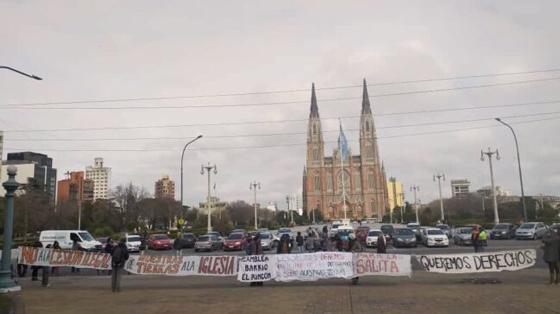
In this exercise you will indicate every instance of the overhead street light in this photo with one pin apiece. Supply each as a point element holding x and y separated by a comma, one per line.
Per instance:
<point>182,156</point>
<point>22,73</point>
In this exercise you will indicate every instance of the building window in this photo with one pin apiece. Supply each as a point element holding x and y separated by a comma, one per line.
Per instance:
<point>367,126</point>
<point>317,183</point>
<point>358,181</point>
<point>314,129</point>
<point>315,154</point>
<point>369,151</point>
<point>370,181</point>
<point>329,182</point>
<point>346,181</point>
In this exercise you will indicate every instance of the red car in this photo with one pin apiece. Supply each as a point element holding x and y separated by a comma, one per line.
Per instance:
<point>234,242</point>
<point>159,242</point>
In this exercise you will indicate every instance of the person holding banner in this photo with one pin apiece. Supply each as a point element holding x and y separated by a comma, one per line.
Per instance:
<point>551,255</point>
<point>285,246</point>
<point>355,247</point>
<point>255,248</point>
<point>118,260</point>
<point>381,244</point>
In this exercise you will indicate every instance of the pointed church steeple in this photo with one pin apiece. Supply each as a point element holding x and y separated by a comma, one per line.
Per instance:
<point>366,109</point>
<point>314,109</point>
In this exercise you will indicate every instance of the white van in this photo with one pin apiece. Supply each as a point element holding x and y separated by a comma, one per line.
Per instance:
<point>65,239</point>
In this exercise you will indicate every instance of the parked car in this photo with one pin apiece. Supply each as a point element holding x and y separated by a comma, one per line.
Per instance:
<point>219,237</point>
<point>556,227</point>
<point>234,241</point>
<point>445,229</point>
<point>187,240</point>
<point>373,234</point>
<point>416,228</point>
<point>268,241</point>
<point>159,242</point>
<point>283,231</point>
<point>463,236</point>
<point>434,237</point>
<point>362,232</point>
<point>263,230</point>
<point>207,242</point>
<point>404,237</point>
<point>503,231</point>
<point>133,242</point>
<point>243,231</point>
<point>531,230</point>
<point>388,231</point>
<point>334,227</point>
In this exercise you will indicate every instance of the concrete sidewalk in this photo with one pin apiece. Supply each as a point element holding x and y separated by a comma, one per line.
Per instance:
<point>507,292</point>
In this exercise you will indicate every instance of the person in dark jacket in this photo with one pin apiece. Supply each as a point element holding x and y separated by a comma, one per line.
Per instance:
<point>354,246</point>
<point>381,244</point>
<point>256,249</point>
<point>299,241</point>
<point>119,258</point>
<point>55,270</point>
<point>46,271</point>
<point>109,246</point>
<point>177,245</point>
<point>35,269</point>
<point>284,247</point>
<point>76,246</point>
<point>551,255</point>
<point>337,243</point>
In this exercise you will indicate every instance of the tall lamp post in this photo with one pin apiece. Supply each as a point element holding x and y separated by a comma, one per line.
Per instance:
<point>209,169</point>
<point>183,156</point>
<point>489,154</point>
<point>519,165</point>
<point>253,186</point>
<point>415,188</point>
<point>7,284</point>
<point>439,177</point>
<point>22,73</point>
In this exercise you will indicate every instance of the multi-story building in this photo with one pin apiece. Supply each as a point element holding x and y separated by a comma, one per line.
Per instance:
<point>75,188</point>
<point>165,187</point>
<point>101,177</point>
<point>47,178</point>
<point>361,178</point>
<point>396,196</point>
<point>460,188</point>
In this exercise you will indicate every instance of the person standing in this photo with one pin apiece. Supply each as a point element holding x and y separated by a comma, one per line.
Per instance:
<point>108,249</point>
<point>284,247</point>
<point>337,243</point>
<point>46,271</point>
<point>119,258</point>
<point>56,270</point>
<point>482,240</point>
<point>35,269</point>
<point>355,247</point>
<point>76,246</point>
<point>256,249</point>
<point>299,241</point>
<point>474,238</point>
<point>551,255</point>
<point>381,244</point>
<point>177,245</point>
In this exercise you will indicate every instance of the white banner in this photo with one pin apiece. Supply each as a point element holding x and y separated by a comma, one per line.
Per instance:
<point>478,262</point>
<point>182,265</point>
<point>257,268</point>
<point>314,266</point>
<point>61,258</point>
<point>372,264</point>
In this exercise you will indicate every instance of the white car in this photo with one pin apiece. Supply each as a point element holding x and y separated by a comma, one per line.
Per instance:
<point>373,234</point>
<point>434,237</point>
<point>133,242</point>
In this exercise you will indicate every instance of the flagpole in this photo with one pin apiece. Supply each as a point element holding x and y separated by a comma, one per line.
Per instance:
<point>342,173</point>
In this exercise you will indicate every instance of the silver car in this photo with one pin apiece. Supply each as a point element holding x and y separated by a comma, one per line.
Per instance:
<point>531,230</point>
<point>463,236</point>
<point>267,241</point>
<point>207,243</point>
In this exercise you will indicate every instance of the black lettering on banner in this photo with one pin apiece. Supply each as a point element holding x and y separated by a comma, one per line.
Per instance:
<point>529,257</point>
<point>466,261</point>
<point>509,262</point>
<point>425,262</point>
<point>520,254</point>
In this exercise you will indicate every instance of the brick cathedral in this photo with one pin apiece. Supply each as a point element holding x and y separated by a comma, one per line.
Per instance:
<point>364,175</point>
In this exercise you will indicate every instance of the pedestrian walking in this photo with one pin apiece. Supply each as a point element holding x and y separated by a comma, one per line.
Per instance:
<point>551,255</point>
<point>55,270</point>
<point>76,246</point>
<point>354,246</point>
<point>381,244</point>
<point>119,257</point>
<point>482,240</point>
<point>45,272</point>
<point>299,241</point>
<point>474,238</point>
<point>256,249</point>
<point>35,269</point>
<point>285,246</point>
<point>178,246</point>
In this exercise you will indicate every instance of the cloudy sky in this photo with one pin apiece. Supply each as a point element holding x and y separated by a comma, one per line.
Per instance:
<point>166,53</point>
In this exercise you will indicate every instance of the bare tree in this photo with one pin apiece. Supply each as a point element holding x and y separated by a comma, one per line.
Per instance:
<point>127,198</point>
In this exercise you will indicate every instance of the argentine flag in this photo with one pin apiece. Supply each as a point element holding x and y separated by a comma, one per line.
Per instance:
<point>343,143</point>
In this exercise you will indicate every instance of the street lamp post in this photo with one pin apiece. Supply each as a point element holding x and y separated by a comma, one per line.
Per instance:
<point>519,165</point>
<point>7,284</point>
<point>415,188</point>
<point>22,73</point>
<point>489,154</point>
<point>209,169</point>
<point>253,186</point>
<point>439,177</point>
<point>182,156</point>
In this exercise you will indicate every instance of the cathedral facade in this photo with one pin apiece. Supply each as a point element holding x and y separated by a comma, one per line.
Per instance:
<point>363,176</point>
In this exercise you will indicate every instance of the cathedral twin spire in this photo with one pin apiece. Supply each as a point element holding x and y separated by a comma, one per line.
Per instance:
<point>314,112</point>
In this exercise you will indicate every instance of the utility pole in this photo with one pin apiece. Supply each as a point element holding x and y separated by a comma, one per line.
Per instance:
<point>489,153</point>
<point>253,186</point>
<point>439,177</point>
<point>415,188</point>
<point>209,169</point>
<point>401,196</point>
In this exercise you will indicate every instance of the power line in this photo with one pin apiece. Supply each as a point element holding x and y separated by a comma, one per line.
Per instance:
<point>19,107</point>
<point>279,92</point>
<point>282,121</point>
<point>278,134</point>
<point>275,145</point>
